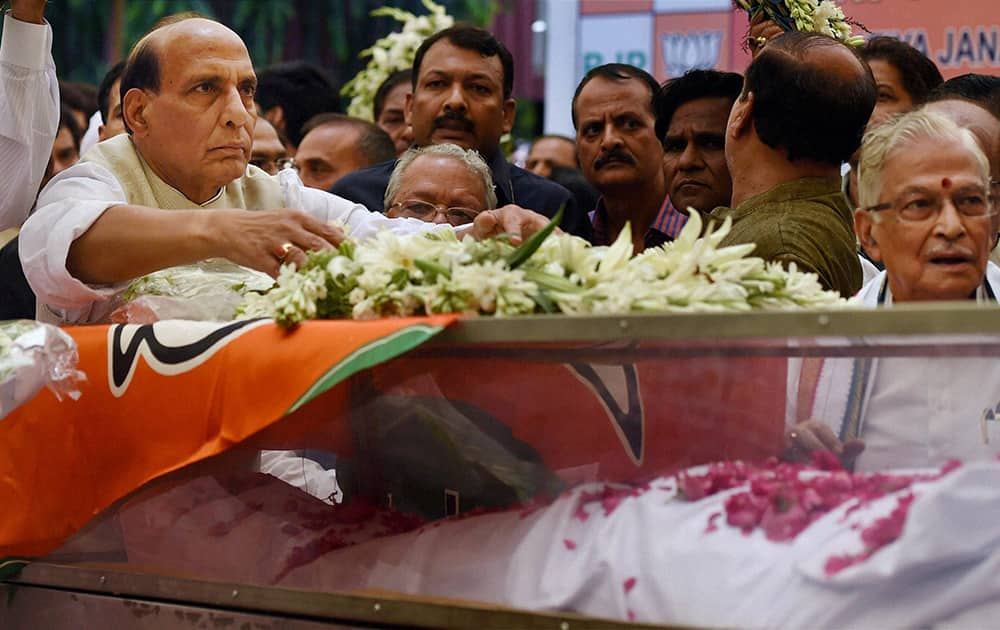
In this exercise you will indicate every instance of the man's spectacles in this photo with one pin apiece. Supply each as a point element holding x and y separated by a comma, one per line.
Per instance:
<point>916,207</point>
<point>272,166</point>
<point>425,211</point>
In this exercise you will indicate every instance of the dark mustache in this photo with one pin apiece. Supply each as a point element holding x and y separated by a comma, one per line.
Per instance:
<point>616,154</point>
<point>469,126</point>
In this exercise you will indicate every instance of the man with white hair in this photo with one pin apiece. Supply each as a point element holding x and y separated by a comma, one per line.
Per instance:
<point>440,183</point>
<point>926,212</point>
<point>932,249</point>
<point>176,189</point>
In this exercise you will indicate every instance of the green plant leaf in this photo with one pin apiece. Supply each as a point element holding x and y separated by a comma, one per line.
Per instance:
<point>521,255</point>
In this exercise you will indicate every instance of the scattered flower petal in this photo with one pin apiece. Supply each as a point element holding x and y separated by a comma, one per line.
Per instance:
<point>629,584</point>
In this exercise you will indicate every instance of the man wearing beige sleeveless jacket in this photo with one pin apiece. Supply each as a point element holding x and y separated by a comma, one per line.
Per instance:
<point>176,189</point>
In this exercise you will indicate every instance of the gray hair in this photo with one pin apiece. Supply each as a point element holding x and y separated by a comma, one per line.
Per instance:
<point>470,158</point>
<point>883,141</point>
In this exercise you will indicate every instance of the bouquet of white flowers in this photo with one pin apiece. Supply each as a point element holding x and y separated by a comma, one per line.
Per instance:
<point>811,16</point>
<point>392,53</point>
<point>421,274</point>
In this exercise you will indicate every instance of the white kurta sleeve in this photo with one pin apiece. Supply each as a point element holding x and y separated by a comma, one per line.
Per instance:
<point>68,206</point>
<point>29,114</point>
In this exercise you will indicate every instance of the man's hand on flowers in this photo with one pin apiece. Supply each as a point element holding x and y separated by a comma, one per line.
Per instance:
<point>28,10</point>
<point>812,435</point>
<point>514,220</point>
<point>266,240</point>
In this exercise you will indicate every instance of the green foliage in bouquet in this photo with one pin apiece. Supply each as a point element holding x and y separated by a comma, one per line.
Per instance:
<point>809,16</point>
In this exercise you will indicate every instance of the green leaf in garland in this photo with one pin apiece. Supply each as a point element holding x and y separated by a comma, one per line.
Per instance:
<point>431,269</point>
<point>544,302</point>
<point>521,255</point>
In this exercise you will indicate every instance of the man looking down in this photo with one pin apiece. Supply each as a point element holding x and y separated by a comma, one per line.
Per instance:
<point>442,183</point>
<point>691,115</point>
<point>462,83</point>
<point>177,188</point>
<point>550,151</point>
<point>805,103</point>
<point>334,145</point>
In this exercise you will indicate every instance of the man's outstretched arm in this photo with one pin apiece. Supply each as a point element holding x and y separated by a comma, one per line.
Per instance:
<point>86,240</point>
<point>29,107</point>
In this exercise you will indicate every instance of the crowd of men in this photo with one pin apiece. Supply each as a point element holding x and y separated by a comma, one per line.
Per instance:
<point>185,137</point>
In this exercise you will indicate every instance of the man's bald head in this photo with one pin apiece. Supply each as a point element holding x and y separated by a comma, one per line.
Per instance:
<point>143,65</point>
<point>813,97</point>
<point>977,119</point>
<point>188,100</point>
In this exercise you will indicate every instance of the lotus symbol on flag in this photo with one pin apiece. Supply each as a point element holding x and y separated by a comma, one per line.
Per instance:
<point>690,50</point>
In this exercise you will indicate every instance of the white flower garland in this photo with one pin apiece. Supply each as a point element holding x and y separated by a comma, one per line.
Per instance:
<point>392,53</point>
<point>810,16</point>
<point>393,275</point>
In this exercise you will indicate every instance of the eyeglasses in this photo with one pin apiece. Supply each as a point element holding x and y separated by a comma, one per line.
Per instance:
<point>918,206</point>
<point>272,166</point>
<point>425,211</point>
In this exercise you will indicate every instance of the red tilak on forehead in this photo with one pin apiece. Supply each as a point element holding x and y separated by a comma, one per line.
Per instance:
<point>946,182</point>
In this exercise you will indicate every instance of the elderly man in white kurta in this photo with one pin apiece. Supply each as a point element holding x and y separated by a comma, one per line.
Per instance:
<point>177,188</point>
<point>29,107</point>
<point>926,212</point>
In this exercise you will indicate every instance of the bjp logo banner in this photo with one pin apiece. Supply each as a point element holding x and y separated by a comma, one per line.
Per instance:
<point>160,397</point>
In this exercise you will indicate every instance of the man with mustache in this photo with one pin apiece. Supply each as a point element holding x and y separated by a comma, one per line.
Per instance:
<point>621,156</point>
<point>806,100</point>
<point>177,189</point>
<point>691,115</point>
<point>462,82</point>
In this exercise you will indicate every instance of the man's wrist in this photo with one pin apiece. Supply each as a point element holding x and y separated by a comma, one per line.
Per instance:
<point>32,11</point>
<point>205,238</point>
<point>25,44</point>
